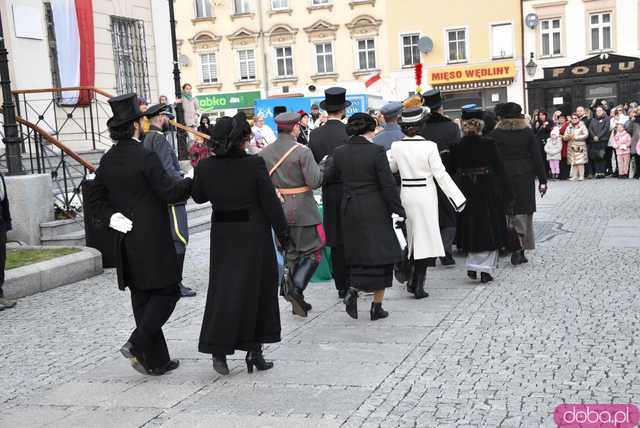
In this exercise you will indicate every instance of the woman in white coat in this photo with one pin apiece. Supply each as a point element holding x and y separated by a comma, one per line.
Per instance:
<point>418,162</point>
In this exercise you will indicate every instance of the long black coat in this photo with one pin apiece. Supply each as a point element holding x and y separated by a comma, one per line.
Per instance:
<point>519,149</point>
<point>322,142</point>
<point>446,134</point>
<point>482,179</point>
<point>370,196</point>
<point>132,181</point>
<point>242,302</point>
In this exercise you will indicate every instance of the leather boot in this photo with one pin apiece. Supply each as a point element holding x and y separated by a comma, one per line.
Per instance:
<point>256,359</point>
<point>485,277</point>
<point>220,364</point>
<point>419,284</point>
<point>351,303</point>
<point>411,284</point>
<point>377,312</point>
<point>516,258</point>
<point>305,269</point>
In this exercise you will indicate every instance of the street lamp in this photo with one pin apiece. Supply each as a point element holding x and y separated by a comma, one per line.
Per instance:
<point>182,136</point>
<point>11,140</point>
<point>531,67</point>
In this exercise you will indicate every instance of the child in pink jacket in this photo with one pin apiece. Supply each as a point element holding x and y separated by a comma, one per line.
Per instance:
<point>622,144</point>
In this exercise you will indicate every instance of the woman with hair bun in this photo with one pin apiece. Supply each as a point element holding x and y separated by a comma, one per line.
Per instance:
<point>482,227</point>
<point>241,311</point>
<point>369,199</point>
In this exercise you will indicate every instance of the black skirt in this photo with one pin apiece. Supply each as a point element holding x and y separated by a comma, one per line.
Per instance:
<point>370,278</point>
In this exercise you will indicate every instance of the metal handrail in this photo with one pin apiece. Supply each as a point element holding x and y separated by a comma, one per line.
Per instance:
<point>104,94</point>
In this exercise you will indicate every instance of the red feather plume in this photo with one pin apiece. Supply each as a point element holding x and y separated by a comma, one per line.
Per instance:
<point>418,70</point>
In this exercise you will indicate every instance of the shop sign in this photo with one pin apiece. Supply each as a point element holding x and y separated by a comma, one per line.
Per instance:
<point>236,100</point>
<point>472,73</point>
<point>591,70</point>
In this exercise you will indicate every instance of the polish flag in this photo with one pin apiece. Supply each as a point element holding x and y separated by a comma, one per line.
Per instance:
<point>73,23</point>
<point>371,80</point>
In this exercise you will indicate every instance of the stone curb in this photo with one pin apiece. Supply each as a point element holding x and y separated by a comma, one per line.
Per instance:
<point>38,277</point>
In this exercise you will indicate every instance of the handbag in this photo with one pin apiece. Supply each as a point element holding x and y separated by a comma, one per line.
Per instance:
<point>280,262</point>
<point>402,270</point>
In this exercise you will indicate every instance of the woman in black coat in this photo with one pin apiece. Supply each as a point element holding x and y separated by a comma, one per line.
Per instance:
<point>242,311</point>
<point>370,197</point>
<point>482,179</point>
<point>523,163</point>
<point>542,128</point>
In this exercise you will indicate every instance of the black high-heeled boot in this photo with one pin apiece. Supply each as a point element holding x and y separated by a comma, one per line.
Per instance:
<point>485,277</point>
<point>351,303</point>
<point>377,312</point>
<point>472,274</point>
<point>256,359</point>
<point>419,286</point>
<point>220,364</point>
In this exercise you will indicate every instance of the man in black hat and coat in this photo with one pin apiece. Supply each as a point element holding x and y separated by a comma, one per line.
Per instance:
<point>322,142</point>
<point>156,141</point>
<point>446,134</point>
<point>129,195</point>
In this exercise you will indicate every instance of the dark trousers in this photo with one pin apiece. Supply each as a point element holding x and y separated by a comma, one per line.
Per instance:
<point>636,161</point>
<point>3,258</point>
<point>565,169</point>
<point>152,309</point>
<point>339,268</point>
<point>420,266</point>
<point>610,155</point>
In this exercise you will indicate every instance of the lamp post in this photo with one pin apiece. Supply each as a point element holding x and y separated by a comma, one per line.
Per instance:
<point>182,136</point>
<point>531,67</point>
<point>11,140</point>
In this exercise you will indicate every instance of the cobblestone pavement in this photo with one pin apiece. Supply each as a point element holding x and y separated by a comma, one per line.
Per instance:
<point>560,329</point>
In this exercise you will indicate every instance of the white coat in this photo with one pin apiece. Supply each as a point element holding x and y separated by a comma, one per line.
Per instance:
<point>418,162</point>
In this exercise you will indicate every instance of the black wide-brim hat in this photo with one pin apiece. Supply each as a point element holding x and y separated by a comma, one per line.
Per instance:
<point>335,99</point>
<point>125,110</point>
<point>432,99</point>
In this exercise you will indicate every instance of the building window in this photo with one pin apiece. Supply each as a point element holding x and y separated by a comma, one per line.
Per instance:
<point>203,9</point>
<point>247,64</point>
<point>130,56</point>
<point>53,48</point>
<point>284,61</point>
<point>209,68</point>
<point>410,51</point>
<point>600,31</point>
<point>457,45</point>
<point>241,6</point>
<point>366,54</point>
<point>502,41</point>
<point>279,4</point>
<point>324,58</point>
<point>319,2</point>
<point>550,37</point>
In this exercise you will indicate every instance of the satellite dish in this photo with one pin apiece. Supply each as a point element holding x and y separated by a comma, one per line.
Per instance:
<point>183,60</point>
<point>425,44</point>
<point>531,20</point>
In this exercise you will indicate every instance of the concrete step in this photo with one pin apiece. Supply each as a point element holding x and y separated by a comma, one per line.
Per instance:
<point>71,239</point>
<point>53,229</point>
<point>71,232</point>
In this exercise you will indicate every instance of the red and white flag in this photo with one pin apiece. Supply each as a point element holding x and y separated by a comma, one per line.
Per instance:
<point>73,23</point>
<point>372,80</point>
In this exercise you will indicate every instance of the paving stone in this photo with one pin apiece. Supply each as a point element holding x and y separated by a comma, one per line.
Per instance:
<point>207,421</point>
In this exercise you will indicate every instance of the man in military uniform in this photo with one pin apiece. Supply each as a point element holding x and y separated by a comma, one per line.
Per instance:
<point>295,174</point>
<point>392,132</point>
<point>322,142</point>
<point>156,141</point>
<point>442,131</point>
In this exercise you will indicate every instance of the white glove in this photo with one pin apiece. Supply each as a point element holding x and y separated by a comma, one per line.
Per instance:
<point>120,223</point>
<point>190,173</point>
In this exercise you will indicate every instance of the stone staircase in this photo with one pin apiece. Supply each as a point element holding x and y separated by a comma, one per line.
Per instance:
<point>71,232</point>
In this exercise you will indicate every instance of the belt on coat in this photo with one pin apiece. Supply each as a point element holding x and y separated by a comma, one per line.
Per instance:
<point>414,182</point>
<point>476,171</point>
<point>294,190</point>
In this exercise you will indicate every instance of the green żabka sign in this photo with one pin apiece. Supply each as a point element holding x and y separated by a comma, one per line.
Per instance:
<point>212,102</point>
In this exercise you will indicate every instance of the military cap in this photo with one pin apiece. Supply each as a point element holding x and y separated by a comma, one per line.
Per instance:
<point>391,109</point>
<point>287,120</point>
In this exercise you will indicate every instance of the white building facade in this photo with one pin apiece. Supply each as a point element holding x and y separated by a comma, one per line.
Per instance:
<point>581,50</point>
